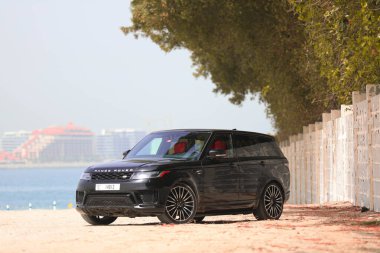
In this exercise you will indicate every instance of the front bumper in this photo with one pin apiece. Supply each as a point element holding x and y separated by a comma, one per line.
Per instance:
<point>126,211</point>
<point>135,198</point>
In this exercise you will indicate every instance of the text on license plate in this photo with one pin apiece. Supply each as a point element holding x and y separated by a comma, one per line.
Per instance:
<point>107,187</point>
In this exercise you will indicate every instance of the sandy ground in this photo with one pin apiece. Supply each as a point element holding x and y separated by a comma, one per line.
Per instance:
<point>329,228</point>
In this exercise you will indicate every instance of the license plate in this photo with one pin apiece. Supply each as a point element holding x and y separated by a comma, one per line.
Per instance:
<point>107,187</point>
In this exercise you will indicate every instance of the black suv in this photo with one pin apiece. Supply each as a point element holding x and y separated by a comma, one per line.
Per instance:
<point>184,175</point>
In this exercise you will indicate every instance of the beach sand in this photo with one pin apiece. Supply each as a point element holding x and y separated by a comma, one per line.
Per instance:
<point>307,228</point>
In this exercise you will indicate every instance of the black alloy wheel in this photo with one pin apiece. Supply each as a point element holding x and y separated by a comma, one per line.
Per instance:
<point>98,220</point>
<point>181,205</point>
<point>271,203</point>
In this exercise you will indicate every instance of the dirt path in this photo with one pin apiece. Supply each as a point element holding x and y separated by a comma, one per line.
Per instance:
<point>332,228</point>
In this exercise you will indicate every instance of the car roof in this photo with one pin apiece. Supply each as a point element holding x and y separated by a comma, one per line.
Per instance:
<point>214,131</point>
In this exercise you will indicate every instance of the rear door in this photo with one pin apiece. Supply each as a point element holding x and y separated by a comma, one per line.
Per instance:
<point>251,163</point>
<point>220,175</point>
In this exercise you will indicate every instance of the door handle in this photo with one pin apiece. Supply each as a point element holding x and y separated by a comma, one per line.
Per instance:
<point>199,172</point>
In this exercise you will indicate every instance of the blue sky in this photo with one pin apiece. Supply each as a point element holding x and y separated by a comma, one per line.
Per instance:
<point>68,61</point>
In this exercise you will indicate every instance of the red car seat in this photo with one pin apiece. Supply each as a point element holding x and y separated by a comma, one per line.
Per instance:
<point>219,145</point>
<point>180,147</point>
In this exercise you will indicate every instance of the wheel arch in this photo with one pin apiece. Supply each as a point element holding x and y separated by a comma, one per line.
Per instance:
<point>184,182</point>
<point>270,181</point>
<point>185,178</point>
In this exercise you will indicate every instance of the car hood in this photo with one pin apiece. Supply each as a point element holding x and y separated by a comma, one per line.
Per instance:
<point>130,165</point>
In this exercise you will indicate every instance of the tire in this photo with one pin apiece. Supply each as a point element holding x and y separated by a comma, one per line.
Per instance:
<point>180,206</point>
<point>199,219</point>
<point>98,220</point>
<point>271,203</point>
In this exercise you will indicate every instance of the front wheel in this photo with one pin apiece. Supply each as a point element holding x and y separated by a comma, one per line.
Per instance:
<point>181,205</point>
<point>98,220</point>
<point>271,203</point>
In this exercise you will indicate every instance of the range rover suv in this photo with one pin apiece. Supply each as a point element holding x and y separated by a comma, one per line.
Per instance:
<point>182,176</point>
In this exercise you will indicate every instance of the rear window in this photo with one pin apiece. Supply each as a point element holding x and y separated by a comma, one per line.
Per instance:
<point>253,146</point>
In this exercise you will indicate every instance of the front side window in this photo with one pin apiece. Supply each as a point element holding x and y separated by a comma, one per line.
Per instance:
<point>170,145</point>
<point>223,144</point>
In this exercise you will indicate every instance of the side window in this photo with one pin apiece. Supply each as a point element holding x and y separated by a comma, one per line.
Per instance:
<point>269,147</point>
<point>222,142</point>
<point>246,145</point>
<point>255,146</point>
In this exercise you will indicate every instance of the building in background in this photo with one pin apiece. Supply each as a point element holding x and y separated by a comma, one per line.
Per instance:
<point>58,144</point>
<point>66,144</point>
<point>12,140</point>
<point>111,143</point>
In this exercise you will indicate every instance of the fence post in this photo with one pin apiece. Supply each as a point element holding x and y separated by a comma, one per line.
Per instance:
<point>347,120</point>
<point>300,165</point>
<point>356,98</point>
<point>335,115</point>
<point>326,117</point>
<point>374,126</point>
<point>293,169</point>
<point>312,162</point>
<point>371,91</point>
<point>319,159</point>
<point>306,163</point>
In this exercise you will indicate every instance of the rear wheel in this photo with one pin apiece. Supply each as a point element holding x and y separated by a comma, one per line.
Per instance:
<point>98,220</point>
<point>271,203</point>
<point>180,206</point>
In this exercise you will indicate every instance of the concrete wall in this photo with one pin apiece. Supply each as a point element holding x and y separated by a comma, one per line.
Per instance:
<point>338,159</point>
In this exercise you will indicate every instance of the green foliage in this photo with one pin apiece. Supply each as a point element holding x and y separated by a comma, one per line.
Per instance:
<point>345,36</point>
<point>300,57</point>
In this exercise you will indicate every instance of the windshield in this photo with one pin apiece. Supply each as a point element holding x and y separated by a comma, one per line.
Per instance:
<point>170,145</point>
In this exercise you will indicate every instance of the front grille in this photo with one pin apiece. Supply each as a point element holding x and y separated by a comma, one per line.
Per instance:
<point>119,200</point>
<point>111,176</point>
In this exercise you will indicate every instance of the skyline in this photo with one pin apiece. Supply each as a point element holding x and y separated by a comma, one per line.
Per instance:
<point>100,131</point>
<point>69,62</point>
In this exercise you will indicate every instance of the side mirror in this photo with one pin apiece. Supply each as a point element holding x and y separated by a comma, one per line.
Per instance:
<point>216,153</point>
<point>125,153</point>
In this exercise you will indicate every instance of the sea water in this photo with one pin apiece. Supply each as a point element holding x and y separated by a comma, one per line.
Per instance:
<point>43,188</point>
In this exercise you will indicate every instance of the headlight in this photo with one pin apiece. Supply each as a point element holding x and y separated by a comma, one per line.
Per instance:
<point>148,174</point>
<point>144,174</point>
<point>85,176</point>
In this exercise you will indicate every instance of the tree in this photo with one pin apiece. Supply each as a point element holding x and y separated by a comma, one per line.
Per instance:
<point>249,48</point>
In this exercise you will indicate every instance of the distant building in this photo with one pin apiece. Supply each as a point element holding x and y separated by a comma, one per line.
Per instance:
<point>65,144</point>
<point>12,140</point>
<point>7,157</point>
<point>111,143</point>
<point>58,144</point>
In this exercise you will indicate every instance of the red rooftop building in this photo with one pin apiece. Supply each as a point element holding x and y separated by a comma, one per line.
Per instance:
<point>68,143</point>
